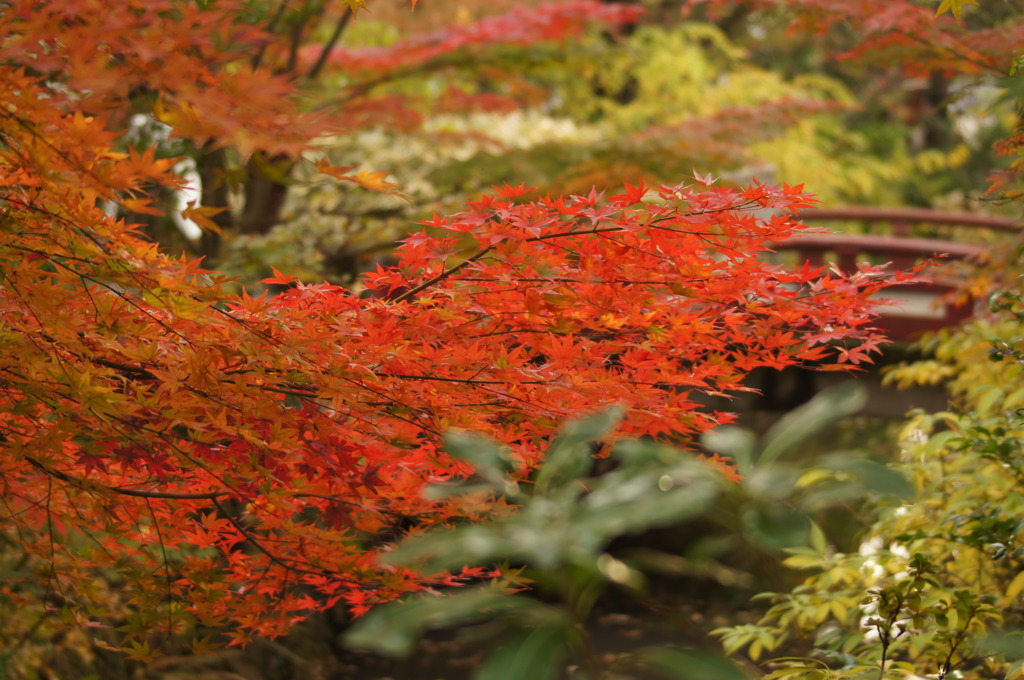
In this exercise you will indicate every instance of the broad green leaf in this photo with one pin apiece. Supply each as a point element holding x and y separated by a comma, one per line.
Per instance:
<point>1013,590</point>
<point>818,539</point>
<point>541,534</point>
<point>570,456</point>
<point>1010,643</point>
<point>440,492</point>
<point>395,628</point>
<point>986,397</point>
<point>535,654</point>
<point>735,442</point>
<point>772,482</point>
<point>688,664</point>
<point>1014,400</point>
<point>938,441</point>
<point>443,549</point>
<point>775,526</point>
<point>789,671</point>
<point>820,412</point>
<point>491,461</point>
<point>620,503</point>
<point>872,475</point>
<point>637,454</point>
<point>803,562</point>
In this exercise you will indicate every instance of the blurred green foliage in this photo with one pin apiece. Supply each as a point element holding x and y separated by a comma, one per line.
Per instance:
<point>937,576</point>
<point>562,538</point>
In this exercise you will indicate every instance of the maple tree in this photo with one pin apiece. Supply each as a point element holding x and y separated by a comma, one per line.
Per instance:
<point>343,89</point>
<point>243,460</point>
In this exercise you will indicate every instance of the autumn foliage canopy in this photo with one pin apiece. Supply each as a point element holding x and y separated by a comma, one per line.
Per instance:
<point>243,459</point>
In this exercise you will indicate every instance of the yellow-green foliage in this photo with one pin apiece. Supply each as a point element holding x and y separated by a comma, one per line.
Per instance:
<point>679,77</point>
<point>931,574</point>
<point>673,74</point>
<point>935,573</point>
<point>963,359</point>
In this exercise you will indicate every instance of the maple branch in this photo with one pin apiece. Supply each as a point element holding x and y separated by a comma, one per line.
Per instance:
<point>89,486</point>
<point>68,223</point>
<point>329,46</point>
<point>481,253</point>
<point>295,391</point>
<point>103,246</point>
<point>451,59</point>
<point>296,42</point>
<point>464,381</point>
<point>332,499</point>
<point>301,394</point>
<point>590,282</point>
<point>279,561</point>
<point>361,89</point>
<point>126,368</point>
<point>31,130</point>
<point>545,237</point>
<point>213,497</point>
<point>952,50</point>
<point>166,563</point>
<point>121,294</point>
<point>54,580</point>
<point>271,27</point>
<point>443,275</point>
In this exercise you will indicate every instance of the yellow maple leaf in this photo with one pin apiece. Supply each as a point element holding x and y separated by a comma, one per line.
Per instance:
<point>374,180</point>
<point>954,6</point>
<point>201,214</point>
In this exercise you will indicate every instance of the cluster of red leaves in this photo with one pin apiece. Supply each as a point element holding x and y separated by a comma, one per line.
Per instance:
<point>902,33</point>
<point>192,61</point>
<point>250,456</point>
<point>243,460</point>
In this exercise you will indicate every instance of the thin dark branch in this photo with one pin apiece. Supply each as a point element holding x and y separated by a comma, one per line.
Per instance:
<point>443,275</point>
<point>125,368</point>
<point>654,224</point>
<point>57,474</point>
<point>296,43</point>
<point>167,567</point>
<point>464,381</point>
<point>271,27</point>
<point>325,53</point>
<point>281,562</point>
<point>363,88</point>
<point>332,499</point>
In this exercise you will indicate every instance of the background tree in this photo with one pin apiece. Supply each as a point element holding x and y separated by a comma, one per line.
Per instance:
<point>238,460</point>
<point>655,100</point>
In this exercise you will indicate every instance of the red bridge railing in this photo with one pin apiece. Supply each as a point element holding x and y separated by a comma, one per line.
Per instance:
<point>906,237</point>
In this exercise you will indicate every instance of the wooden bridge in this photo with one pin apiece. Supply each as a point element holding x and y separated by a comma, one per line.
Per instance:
<point>906,237</point>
